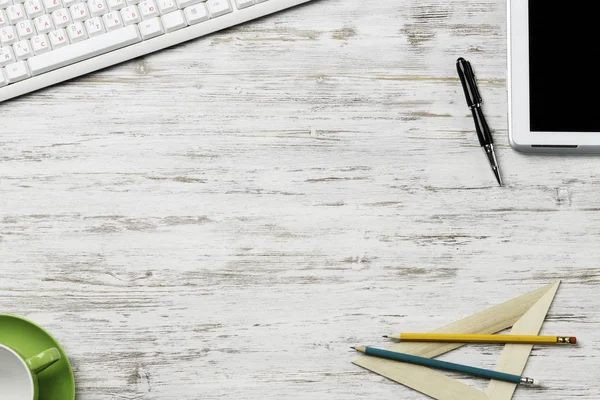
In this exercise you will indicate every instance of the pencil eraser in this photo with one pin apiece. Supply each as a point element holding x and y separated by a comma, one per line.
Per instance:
<point>573,340</point>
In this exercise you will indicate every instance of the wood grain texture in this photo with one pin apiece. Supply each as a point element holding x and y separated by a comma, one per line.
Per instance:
<point>223,219</point>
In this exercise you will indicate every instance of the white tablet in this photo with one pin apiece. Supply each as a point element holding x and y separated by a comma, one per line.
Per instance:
<point>553,82</point>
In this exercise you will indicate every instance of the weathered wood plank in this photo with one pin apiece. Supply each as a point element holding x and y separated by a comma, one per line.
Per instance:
<point>224,218</point>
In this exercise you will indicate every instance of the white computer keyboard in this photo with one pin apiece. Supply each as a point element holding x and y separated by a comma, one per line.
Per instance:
<point>44,42</point>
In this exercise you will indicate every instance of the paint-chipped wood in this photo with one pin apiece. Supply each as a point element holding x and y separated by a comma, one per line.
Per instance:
<point>223,219</point>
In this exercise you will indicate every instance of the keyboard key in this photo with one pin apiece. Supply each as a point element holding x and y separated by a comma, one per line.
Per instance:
<point>23,50</point>
<point>148,9</point>
<point>8,36</point>
<point>44,24</point>
<point>112,21</point>
<point>79,12</point>
<point>97,7</point>
<point>34,8</point>
<point>244,3</point>
<point>25,29</point>
<point>3,18</point>
<point>61,18</point>
<point>5,3</point>
<point>40,44</point>
<point>52,5</point>
<point>76,32</point>
<point>151,28</point>
<point>17,72</point>
<point>6,56</point>
<point>3,80</point>
<point>83,50</point>
<point>219,7</point>
<point>187,3</point>
<point>130,15</point>
<point>58,38</point>
<point>174,21</point>
<point>69,3</point>
<point>94,27</point>
<point>196,13</point>
<point>167,6</point>
<point>16,13</point>
<point>115,5</point>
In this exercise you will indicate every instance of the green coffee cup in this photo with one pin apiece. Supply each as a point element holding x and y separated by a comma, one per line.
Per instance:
<point>18,375</point>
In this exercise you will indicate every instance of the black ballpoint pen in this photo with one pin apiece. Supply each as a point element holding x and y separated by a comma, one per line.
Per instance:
<point>469,84</point>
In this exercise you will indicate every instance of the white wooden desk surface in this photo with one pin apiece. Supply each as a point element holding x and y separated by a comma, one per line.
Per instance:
<point>221,220</point>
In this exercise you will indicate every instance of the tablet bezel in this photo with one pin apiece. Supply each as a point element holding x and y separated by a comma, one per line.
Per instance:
<point>520,135</point>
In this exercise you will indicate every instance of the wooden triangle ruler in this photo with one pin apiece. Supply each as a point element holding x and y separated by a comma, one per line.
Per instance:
<point>525,314</point>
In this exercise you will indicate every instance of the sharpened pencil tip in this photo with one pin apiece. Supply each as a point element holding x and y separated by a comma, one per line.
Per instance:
<point>385,336</point>
<point>353,348</point>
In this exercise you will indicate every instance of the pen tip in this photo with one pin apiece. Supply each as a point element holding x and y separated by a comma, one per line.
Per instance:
<point>498,178</point>
<point>491,154</point>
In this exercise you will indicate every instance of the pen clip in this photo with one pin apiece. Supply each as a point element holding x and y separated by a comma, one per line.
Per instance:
<point>473,84</point>
<point>469,82</point>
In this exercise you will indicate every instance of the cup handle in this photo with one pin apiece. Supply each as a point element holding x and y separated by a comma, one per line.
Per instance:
<point>43,360</point>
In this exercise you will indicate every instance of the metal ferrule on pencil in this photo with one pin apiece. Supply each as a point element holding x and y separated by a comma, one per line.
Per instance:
<point>526,381</point>
<point>565,339</point>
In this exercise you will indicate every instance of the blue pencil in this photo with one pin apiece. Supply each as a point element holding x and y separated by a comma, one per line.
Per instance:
<point>448,366</point>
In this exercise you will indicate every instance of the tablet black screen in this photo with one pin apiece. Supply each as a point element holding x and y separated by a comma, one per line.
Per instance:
<point>564,81</point>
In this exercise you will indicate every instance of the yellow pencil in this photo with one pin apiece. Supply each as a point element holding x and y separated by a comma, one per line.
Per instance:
<point>465,338</point>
